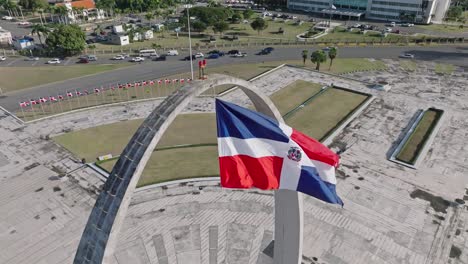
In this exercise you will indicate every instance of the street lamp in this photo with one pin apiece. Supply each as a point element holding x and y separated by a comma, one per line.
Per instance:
<point>190,39</point>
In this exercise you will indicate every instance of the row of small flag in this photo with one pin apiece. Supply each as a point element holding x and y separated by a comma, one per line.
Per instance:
<point>97,90</point>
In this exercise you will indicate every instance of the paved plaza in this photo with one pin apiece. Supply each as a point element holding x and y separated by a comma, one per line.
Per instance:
<point>392,214</point>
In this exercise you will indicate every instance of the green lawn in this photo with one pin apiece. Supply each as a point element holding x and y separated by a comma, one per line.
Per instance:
<point>111,139</point>
<point>441,68</point>
<point>418,138</point>
<point>294,94</point>
<point>16,78</point>
<point>444,28</point>
<point>325,112</point>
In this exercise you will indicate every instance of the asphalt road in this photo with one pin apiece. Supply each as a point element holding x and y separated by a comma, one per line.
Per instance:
<point>457,55</point>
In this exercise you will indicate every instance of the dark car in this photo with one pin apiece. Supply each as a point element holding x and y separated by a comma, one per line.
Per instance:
<point>218,52</point>
<point>160,58</point>
<point>213,56</point>
<point>83,60</point>
<point>233,52</point>
<point>188,58</point>
<point>269,49</point>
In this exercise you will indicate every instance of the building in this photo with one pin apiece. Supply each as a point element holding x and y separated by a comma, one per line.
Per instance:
<point>5,37</point>
<point>23,43</point>
<point>416,11</point>
<point>87,8</point>
<point>119,39</point>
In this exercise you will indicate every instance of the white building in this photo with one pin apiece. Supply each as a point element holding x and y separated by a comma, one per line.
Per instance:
<point>119,39</point>
<point>419,11</point>
<point>23,43</point>
<point>5,37</point>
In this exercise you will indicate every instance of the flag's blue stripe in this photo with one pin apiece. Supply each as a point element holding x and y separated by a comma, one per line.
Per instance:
<point>235,121</point>
<point>310,183</point>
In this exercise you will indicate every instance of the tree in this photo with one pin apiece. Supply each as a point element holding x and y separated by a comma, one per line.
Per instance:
<point>210,15</point>
<point>317,57</point>
<point>33,4</point>
<point>248,13</point>
<point>62,11</point>
<point>305,54</point>
<point>332,53</point>
<point>199,26</point>
<point>454,13</point>
<point>40,30</point>
<point>213,3</point>
<point>66,40</point>
<point>149,16</point>
<point>259,24</point>
<point>236,17</point>
<point>220,27</point>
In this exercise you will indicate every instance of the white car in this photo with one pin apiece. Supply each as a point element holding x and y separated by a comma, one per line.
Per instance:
<point>119,57</point>
<point>137,59</point>
<point>407,56</point>
<point>2,58</point>
<point>7,18</point>
<point>239,55</point>
<point>199,55</point>
<point>24,23</point>
<point>388,30</point>
<point>172,53</point>
<point>54,61</point>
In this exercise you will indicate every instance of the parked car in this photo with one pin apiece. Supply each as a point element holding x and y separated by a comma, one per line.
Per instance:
<point>54,61</point>
<point>32,58</point>
<point>159,58</point>
<point>407,56</point>
<point>264,52</point>
<point>199,55</point>
<point>407,25</point>
<point>326,49</point>
<point>92,57</point>
<point>187,58</point>
<point>232,52</point>
<point>24,23</point>
<point>239,55</point>
<point>388,29</point>
<point>83,60</point>
<point>137,59</point>
<point>119,57</point>
<point>172,53</point>
<point>213,56</point>
<point>2,58</point>
<point>218,52</point>
<point>7,18</point>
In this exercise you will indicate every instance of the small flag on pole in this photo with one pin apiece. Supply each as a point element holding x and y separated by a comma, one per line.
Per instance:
<point>257,151</point>
<point>23,104</point>
<point>52,99</point>
<point>69,94</point>
<point>96,90</point>
<point>60,97</point>
<point>33,102</point>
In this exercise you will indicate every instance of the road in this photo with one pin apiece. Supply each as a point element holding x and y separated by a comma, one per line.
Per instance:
<point>457,55</point>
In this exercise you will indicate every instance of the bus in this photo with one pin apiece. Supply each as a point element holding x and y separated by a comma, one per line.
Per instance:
<point>148,53</point>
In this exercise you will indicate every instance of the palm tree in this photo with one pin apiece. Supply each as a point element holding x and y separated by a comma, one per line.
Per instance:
<point>149,16</point>
<point>39,30</point>
<point>305,54</point>
<point>62,11</point>
<point>332,53</point>
<point>317,57</point>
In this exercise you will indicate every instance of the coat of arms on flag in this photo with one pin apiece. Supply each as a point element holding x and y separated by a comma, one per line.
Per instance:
<point>257,151</point>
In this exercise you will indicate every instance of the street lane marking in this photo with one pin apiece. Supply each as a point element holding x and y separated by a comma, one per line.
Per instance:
<point>13,61</point>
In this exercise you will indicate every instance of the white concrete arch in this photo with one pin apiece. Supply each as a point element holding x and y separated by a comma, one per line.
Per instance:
<point>100,235</point>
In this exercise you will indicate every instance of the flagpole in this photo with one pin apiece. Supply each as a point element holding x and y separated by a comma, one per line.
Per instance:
<point>22,112</point>
<point>32,109</point>
<point>60,103</point>
<point>78,96</point>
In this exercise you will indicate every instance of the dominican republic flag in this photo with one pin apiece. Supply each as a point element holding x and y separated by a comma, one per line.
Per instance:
<point>159,82</point>
<point>167,81</point>
<point>151,82</point>
<point>69,94</point>
<point>52,99</point>
<point>96,90</point>
<point>33,102</point>
<point>86,92</point>
<point>42,100</point>
<point>181,80</point>
<point>78,93</point>
<point>23,104</point>
<point>257,151</point>
<point>60,97</point>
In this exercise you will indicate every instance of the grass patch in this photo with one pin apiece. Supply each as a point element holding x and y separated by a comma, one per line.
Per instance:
<point>415,143</point>
<point>408,65</point>
<point>325,112</point>
<point>294,94</point>
<point>17,78</point>
<point>111,139</point>
<point>443,28</point>
<point>445,69</point>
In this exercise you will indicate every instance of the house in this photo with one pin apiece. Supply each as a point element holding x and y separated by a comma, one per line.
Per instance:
<point>117,29</point>
<point>87,7</point>
<point>23,43</point>
<point>137,36</point>
<point>119,39</point>
<point>158,27</point>
<point>5,37</point>
<point>149,34</point>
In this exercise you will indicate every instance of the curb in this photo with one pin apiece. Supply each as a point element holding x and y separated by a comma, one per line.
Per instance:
<point>181,181</point>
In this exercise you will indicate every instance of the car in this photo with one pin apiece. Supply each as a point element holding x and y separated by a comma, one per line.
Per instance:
<point>7,18</point>
<point>2,58</point>
<point>269,49</point>
<point>159,58</point>
<point>92,58</point>
<point>388,30</point>
<point>407,25</point>
<point>187,58</point>
<point>357,25</point>
<point>24,23</point>
<point>172,53</point>
<point>232,52</point>
<point>118,57</point>
<point>213,56</point>
<point>199,55</point>
<point>54,61</point>
<point>32,58</point>
<point>83,60</point>
<point>326,49</point>
<point>264,52</point>
<point>239,55</point>
<point>407,56</point>
<point>137,59</point>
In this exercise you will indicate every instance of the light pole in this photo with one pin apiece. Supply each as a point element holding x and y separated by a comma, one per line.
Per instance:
<point>190,39</point>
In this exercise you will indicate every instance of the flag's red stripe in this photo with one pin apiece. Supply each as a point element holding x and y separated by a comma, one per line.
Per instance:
<point>243,171</point>
<point>314,149</point>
